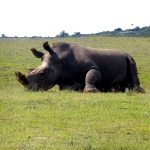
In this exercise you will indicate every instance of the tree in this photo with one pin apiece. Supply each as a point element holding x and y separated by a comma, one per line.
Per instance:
<point>137,28</point>
<point>3,36</point>
<point>63,34</point>
<point>118,29</point>
<point>76,34</point>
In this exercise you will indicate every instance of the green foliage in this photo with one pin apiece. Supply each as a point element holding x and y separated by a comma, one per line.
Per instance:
<point>63,34</point>
<point>118,29</point>
<point>76,34</point>
<point>65,120</point>
<point>135,32</point>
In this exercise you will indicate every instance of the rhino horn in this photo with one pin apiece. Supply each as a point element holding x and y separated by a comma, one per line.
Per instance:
<point>21,78</point>
<point>48,48</point>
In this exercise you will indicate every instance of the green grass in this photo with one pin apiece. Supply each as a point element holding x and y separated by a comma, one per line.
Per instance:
<point>72,120</point>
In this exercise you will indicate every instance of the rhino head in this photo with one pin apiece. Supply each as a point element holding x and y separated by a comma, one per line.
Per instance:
<point>46,75</point>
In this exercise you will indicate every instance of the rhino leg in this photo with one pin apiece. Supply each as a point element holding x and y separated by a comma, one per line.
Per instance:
<point>91,78</point>
<point>75,87</point>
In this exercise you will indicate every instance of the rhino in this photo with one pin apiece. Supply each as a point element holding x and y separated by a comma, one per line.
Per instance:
<point>71,66</point>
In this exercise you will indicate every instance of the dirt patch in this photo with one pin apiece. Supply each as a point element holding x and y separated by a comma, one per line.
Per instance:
<point>41,137</point>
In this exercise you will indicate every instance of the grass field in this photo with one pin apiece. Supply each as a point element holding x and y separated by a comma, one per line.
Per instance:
<point>64,120</point>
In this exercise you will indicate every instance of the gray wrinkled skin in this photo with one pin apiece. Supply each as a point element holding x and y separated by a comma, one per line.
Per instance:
<point>78,68</point>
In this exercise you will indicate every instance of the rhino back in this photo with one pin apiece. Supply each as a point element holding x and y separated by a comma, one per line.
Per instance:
<point>77,60</point>
<point>111,63</point>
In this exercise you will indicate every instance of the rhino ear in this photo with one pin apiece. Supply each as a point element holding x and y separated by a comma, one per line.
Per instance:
<point>48,48</point>
<point>36,53</point>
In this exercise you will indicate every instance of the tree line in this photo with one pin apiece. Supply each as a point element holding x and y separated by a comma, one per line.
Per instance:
<point>137,31</point>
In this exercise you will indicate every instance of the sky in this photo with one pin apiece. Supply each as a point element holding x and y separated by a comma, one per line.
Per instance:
<point>50,17</point>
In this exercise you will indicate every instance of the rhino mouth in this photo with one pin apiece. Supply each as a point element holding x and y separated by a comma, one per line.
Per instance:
<point>32,87</point>
<point>36,87</point>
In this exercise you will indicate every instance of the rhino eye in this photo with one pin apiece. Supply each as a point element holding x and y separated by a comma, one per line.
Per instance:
<point>42,74</point>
